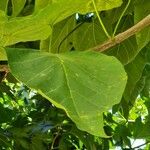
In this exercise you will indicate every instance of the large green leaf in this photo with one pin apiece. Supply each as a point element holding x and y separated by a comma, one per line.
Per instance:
<point>22,29</point>
<point>68,35</point>
<point>61,9</point>
<point>38,26</point>
<point>142,9</point>
<point>84,84</point>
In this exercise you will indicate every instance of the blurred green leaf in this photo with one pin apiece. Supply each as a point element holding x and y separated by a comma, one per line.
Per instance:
<point>17,6</point>
<point>6,114</point>
<point>3,5</point>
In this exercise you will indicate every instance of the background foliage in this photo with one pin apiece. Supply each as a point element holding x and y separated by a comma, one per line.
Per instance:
<point>43,40</point>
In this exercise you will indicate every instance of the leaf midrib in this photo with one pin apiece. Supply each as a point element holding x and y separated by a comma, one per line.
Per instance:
<point>69,88</point>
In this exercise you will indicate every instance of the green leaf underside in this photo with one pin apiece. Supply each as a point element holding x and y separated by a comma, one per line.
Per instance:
<point>84,84</point>
<point>38,25</point>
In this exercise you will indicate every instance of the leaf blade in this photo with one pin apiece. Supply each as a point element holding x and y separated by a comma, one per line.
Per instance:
<point>71,82</point>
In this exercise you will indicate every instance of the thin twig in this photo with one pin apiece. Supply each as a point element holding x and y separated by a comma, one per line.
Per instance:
<point>100,20</point>
<point>141,145</point>
<point>117,25</point>
<point>124,35</point>
<point>52,145</point>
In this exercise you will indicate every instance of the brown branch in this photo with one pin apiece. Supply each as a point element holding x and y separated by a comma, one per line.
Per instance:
<point>124,35</point>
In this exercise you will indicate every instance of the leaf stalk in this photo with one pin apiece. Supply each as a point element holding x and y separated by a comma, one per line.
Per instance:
<point>100,20</point>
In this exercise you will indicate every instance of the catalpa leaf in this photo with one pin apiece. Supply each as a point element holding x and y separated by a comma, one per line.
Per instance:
<point>84,84</point>
<point>38,26</point>
<point>60,9</point>
<point>22,29</point>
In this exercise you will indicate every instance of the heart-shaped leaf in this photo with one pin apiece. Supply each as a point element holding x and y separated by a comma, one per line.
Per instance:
<point>84,84</point>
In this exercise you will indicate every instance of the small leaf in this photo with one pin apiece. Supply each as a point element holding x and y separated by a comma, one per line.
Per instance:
<point>84,84</point>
